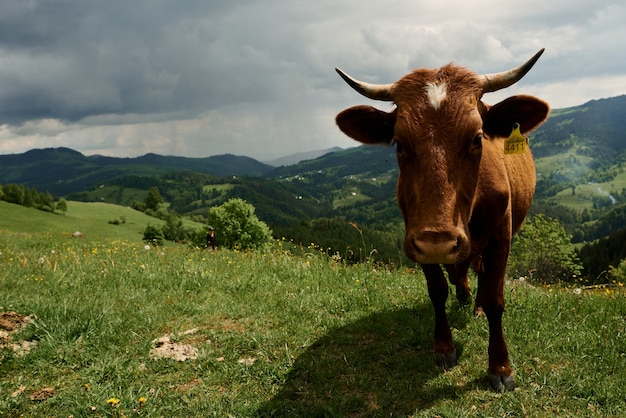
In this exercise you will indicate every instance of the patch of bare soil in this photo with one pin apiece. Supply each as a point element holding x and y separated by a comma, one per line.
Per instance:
<point>10,323</point>
<point>164,347</point>
<point>42,394</point>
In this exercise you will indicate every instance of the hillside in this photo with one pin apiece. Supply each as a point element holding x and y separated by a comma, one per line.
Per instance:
<point>92,220</point>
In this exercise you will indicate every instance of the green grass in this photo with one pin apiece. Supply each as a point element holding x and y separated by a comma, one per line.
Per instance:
<point>91,219</point>
<point>284,334</point>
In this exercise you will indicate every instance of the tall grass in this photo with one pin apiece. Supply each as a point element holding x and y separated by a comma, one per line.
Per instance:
<point>283,333</point>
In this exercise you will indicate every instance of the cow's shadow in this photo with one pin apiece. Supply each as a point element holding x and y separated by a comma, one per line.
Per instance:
<point>380,365</point>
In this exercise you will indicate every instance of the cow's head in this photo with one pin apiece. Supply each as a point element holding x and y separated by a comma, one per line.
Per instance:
<point>439,126</point>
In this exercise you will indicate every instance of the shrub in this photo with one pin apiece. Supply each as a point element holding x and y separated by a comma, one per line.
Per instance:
<point>543,252</point>
<point>173,229</point>
<point>153,235</point>
<point>61,206</point>
<point>236,225</point>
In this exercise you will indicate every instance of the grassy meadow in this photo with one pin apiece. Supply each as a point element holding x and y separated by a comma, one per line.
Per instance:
<point>93,220</point>
<point>285,332</point>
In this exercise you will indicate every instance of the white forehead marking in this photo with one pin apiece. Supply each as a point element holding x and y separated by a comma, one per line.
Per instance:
<point>436,94</point>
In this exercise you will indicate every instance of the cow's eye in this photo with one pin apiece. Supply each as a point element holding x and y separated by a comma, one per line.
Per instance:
<point>478,141</point>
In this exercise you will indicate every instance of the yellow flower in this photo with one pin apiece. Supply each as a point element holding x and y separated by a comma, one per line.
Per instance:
<point>142,400</point>
<point>114,402</point>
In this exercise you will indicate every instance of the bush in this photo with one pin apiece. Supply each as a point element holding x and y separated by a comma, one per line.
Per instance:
<point>236,225</point>
<point>153,235</point>
<point>61,206</point>
<point>173,229</point>
<point>543,252</point>
<point>139,206</point>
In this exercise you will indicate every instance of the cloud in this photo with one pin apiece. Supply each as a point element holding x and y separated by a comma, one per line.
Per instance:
<point>256,78</point>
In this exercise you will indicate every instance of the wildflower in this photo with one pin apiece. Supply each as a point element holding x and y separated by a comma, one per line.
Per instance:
<point>114,402</point>
<point>146,247</point>
<point>142,400</point>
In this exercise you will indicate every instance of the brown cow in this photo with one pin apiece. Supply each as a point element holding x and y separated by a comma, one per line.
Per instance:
<point>461,196</point>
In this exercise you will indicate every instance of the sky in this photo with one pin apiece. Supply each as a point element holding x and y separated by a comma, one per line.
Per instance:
<point>198,78</point>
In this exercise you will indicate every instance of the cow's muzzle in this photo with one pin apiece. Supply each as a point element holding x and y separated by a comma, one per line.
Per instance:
<point>436,247</point>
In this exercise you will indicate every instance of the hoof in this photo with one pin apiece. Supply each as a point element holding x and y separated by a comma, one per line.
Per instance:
<point>445,360</point>
<point>500,383</point>
<point>463,296</point>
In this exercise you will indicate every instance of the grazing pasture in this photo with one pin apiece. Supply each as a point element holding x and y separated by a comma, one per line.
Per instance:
<point>287,332</point>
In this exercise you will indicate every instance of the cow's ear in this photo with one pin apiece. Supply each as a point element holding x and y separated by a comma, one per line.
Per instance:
<point>528,111</point>
<point>367,124</point>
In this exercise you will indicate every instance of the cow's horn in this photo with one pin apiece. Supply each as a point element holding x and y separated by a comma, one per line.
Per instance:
<point>498,81</point>
<point>372,91</point>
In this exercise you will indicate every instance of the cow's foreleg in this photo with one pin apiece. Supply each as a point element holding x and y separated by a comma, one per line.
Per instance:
<point>444,351</point>
<point>491,298</point>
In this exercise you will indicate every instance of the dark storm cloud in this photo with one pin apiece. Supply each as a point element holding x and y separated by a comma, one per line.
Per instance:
<point>200,77</point>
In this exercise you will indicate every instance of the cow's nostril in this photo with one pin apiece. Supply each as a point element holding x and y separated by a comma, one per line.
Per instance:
<point>435,246</point>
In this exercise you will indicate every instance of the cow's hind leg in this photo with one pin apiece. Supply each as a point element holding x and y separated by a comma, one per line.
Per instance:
<point>457,275</point>
<point>444,351</point>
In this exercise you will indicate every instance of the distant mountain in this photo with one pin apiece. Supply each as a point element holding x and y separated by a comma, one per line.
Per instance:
<point>358,161</point>
<point>301,156</point>
<point>595,129</point>
<point>62,171</point>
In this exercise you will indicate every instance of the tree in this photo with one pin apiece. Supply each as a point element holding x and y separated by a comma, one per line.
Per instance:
<point>61,206</point>
<point>236,225</point>
<point>45,201</point>
<point>13,193</point>
<point>543,251</point>
<point>154,199</point>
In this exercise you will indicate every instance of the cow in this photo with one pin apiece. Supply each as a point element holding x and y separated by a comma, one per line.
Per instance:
<point>461,195</point>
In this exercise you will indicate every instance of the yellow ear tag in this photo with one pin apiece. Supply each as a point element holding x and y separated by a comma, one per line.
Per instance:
<point>516,142</point>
